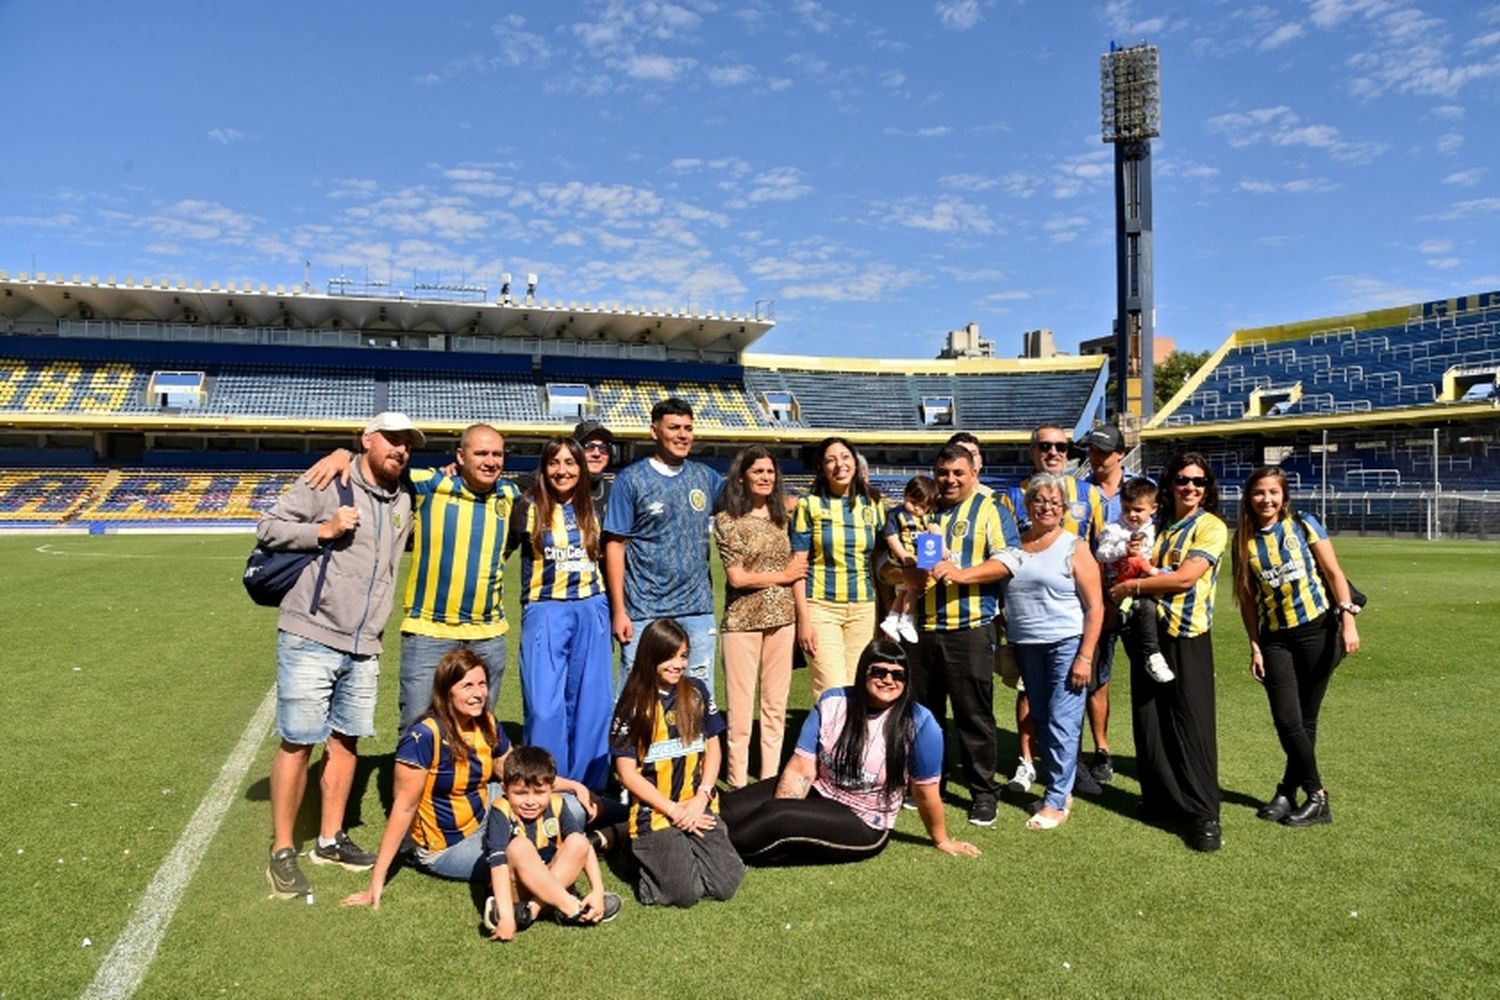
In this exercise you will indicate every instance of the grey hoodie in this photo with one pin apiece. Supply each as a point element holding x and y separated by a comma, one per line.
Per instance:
<point>360,587</point>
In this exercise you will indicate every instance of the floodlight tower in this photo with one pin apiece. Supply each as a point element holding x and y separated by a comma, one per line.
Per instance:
<point>1130,88</point>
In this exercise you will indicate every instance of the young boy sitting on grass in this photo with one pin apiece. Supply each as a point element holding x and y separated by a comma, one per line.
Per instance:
<point>536,851</point>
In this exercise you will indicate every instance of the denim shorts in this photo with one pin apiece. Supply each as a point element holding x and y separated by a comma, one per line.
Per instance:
<point>322,690</point>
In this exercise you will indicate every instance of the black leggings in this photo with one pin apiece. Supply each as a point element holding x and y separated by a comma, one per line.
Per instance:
<point>771,831</point>
<point>1299,662</point>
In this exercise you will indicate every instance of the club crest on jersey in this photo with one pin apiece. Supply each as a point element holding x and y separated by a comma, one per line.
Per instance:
<point>868,515</point>
<point>960,529</point>
<point>698,499</point>
<point>549,826</point>
<point>1078,510</point>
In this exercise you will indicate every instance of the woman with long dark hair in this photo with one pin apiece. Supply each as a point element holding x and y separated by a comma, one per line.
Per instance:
<point>760,615</point>
<point>566,656</point>
<point>861,750</point>
<point>1176,740</point>
<point>1300,618</point>
<point>838,526</point>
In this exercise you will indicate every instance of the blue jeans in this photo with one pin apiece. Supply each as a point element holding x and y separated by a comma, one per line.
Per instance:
<point>466,860</point>
<point>419,659</point>
<point>703,646</point>
<point>1056,711</point>
<point>322,690</point>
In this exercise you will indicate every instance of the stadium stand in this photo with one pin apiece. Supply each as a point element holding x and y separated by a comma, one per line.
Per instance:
<point>1437,352</point>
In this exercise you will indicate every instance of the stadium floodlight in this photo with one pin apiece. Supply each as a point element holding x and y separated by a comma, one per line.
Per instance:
<point>505,285</point>
<point>530,286</point>
<point>1130,93</point>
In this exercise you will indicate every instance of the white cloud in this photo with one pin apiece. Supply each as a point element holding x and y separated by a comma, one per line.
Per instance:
<point>1303,185</point>
<point>847,283</point>
<point>1444,263</point>
<point>934,131</point>
<point>814,15</point>
<point>1283,34</point>
<point>731,76</point>
<point>468,174</point>
<point>1473,208</point>
<point>1122,19</point>
<point>1405,50</point>
<point>1281,126</point>
<point>655,68</point>
<point>1465,178</point>
<point>517,47</point>
<point>426,79</point>
<point>945,214</point>
<point>1431,246</point>
<point>960,15</point>
<point>779,184</point>
<point>1363,291</point>
<point>224,136</point>
<point>1449,143</point>
<point>1064,228</point>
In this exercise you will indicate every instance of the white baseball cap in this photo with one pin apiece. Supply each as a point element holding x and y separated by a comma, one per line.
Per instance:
<point>395,422</point>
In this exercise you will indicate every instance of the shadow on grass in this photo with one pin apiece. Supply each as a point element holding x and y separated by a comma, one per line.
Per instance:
<point>375,767</point>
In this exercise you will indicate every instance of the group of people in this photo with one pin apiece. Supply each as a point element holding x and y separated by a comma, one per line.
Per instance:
<point>1043,576</point>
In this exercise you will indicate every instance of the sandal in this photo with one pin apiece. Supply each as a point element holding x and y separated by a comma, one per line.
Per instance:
<point>1041,822</point>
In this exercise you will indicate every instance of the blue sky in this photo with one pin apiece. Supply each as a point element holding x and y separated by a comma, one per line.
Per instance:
<point>883,171</point>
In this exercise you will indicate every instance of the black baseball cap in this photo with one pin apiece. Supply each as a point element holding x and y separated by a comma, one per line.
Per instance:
<point>1105,437</point>
<point>592,428</point>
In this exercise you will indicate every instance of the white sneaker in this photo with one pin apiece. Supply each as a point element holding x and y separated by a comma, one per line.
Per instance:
<point>1024,777</point>
<point>1156,666</point>
<point>908,628</point>
<point>891,627</point>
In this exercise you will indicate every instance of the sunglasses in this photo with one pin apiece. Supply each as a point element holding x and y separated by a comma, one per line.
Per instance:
<point>879,673</point>
<point>1060,447</point>
<point>1199,481</point>
<point>595,446</point>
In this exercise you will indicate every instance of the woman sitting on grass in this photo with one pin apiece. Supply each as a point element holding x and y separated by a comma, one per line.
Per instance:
<point>447,768</point>
<point>1295,602</point>
<point>860,751</point>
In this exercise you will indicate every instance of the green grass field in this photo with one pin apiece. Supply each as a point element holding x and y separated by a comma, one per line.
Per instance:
<point>133,664</point>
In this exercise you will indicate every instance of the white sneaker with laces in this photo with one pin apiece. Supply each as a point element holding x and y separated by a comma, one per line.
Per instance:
<point>1156,666</point>
<point>891,627</point>
<point>908,628</point>
<point>1024,777</point>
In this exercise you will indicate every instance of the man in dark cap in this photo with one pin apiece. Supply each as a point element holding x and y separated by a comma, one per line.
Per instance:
<point>597,442</point>
<point>1106,453</point>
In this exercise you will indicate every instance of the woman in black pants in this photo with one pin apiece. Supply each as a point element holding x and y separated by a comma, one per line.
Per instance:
<point>1176,740</point>
<point>862,748</point>
<point>1296,606</point>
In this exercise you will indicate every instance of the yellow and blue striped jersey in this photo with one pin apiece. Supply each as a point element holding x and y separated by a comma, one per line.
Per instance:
<point>456,794</point>
<point>973,530</point>
<point>454,587</point>
<point>1084,515</point>
<point>1289,587</point>
<point>675,767</point>
<point>839,535</point>
<point>546,833</point>
<point>562,571</point>
<point>1191,612</point>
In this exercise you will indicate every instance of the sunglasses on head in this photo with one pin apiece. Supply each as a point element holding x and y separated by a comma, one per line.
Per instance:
<point>1057,446</point>
<point>879,673</point>
<point>1199,481</point>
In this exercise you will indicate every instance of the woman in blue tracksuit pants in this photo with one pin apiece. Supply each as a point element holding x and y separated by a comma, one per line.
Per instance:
<point>566,669</point>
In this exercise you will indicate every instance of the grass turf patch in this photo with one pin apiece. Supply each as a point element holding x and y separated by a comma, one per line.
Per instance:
<point>107,762</point>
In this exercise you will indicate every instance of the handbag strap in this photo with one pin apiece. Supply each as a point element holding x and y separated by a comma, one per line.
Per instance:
<point>346,499</point>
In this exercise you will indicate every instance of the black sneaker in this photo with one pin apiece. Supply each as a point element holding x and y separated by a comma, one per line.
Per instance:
<point>1104,768</point>
<point>491,918</point>
<point>342,852</point>
<point>286,878</point>
<point>1084,783</point>
<point>982,812</point>
<point>612,904</point>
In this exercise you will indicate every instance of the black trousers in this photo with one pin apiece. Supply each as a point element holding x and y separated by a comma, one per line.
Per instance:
<point>771,831</point>
<point>1176,737</point>
<point>1299,663</point>
<point>1142,625</point>
<point>959,666</point>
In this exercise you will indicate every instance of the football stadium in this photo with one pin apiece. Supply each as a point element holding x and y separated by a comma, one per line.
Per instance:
<point>155,425</point>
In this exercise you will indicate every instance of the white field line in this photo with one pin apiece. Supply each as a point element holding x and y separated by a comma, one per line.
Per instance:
<point>46,549</point>
<point>125,966</point>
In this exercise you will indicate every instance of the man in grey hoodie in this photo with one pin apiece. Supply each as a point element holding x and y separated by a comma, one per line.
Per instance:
<point>328,656</point>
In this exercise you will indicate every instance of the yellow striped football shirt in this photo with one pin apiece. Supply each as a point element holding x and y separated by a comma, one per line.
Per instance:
<point>1191,612</point>
<point>1084,514</point>
<point>839,535</point>
<point>562,571</point>
<point>1289,588</point>
<point>454,588</point>
<point>973,530</point>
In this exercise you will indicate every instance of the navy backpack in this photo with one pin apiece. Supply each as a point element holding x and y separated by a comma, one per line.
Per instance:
<point>271,575</point>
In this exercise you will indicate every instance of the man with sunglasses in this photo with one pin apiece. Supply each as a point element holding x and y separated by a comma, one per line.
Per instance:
<point>1083,515</point>
<point>597,442</point>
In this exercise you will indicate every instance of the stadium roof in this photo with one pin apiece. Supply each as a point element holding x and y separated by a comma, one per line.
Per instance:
<point>40,298</point>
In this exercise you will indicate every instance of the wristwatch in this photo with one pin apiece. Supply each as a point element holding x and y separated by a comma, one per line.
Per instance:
<point>1350,607</point>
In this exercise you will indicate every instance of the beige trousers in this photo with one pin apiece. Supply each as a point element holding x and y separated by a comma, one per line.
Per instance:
<point>766,655</point>
<point>843,631</point>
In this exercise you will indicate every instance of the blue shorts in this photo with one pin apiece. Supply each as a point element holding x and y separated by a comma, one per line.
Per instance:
<point>322,690</point>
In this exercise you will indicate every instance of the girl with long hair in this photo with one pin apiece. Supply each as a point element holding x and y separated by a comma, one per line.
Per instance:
<point>759,622</point>
<point>566,656</point>
<point>1299,616</point>
<point>665,743</point>
<point>861,750</point>
<point>838,526</point>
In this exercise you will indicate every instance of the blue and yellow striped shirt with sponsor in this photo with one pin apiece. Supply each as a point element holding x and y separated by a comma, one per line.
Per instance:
<point>973,530</point>
<point>546,833</point>
<point>673,765</point>
<point>1289,588</point>
<point>1190,613</point>
<point>562,570</point>
<point>1084,514</point>
<point>455,587</point>
<point>839,535</point>
<point>456,792</point>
